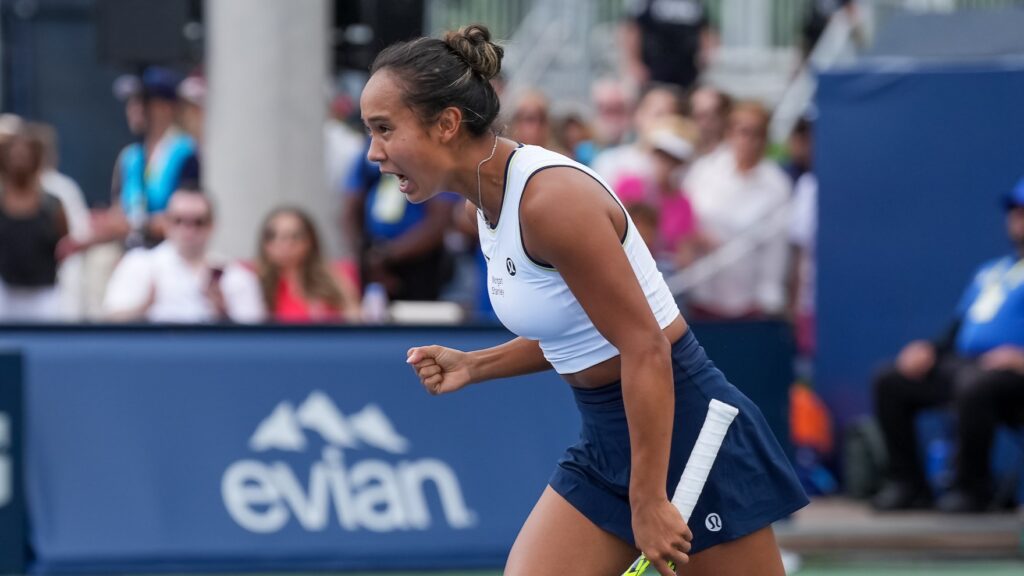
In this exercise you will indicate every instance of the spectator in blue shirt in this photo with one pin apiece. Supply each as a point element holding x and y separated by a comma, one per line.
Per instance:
<point>400,244</point>
<point>978,367</point>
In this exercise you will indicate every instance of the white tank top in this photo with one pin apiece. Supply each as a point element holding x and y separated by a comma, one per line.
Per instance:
<point>533,301</point>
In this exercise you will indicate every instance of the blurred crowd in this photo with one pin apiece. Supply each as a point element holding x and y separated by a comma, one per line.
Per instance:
<point>690,163</point>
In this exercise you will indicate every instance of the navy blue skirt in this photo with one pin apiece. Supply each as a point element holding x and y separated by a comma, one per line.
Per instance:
<point>750,485</point>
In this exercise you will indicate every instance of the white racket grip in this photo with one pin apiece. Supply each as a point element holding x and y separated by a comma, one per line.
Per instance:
<point>698,466</point>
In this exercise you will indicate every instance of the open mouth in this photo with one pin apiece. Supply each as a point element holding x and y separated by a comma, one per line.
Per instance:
<point>403,181</point>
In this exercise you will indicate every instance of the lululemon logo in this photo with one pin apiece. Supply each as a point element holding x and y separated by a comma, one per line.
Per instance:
<point>510,266</point>
<point>713,522</point>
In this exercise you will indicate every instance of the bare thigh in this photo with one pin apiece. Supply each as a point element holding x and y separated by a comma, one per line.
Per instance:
<point>558,540</point>
<point>756,554</point>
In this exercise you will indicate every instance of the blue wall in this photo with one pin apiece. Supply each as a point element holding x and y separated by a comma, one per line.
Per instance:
<point>259,449</point>
<point>911,164</point>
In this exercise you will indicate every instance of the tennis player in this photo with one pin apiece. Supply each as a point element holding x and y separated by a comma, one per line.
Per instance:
<point>568,272</point>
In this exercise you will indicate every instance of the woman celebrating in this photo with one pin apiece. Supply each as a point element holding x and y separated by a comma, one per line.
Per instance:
<point>298,286</point>
<point>568,273</point>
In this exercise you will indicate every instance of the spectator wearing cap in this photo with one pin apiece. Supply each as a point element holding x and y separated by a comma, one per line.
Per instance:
<point>671,147</point>
<point>178,281</point>
<point>741,196</point>
<point>148,172</point>
<point>977,366</point>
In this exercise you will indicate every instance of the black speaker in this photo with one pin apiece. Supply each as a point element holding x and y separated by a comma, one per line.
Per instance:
<point>135,33</point>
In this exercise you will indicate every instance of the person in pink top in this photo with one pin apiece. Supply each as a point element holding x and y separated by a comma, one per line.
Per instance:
<point>298,285</point>
<point>671,146</point>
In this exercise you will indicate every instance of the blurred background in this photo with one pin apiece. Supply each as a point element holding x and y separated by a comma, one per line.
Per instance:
<point>207,291</point>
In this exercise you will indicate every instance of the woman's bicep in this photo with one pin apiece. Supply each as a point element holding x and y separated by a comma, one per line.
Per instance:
<point>577,235</point>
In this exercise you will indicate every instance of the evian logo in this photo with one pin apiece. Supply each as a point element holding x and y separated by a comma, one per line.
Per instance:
<point>370,493</point>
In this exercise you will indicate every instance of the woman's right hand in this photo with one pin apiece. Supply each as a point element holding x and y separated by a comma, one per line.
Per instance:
<point>441,370</point>
<point>662,535</point>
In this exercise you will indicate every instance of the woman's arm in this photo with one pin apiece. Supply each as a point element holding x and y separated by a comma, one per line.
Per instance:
<point>443,370</point>
<point>513,358</point>
<point>571,222</point>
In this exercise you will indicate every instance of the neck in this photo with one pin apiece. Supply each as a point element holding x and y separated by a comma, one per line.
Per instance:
<point>194,259</point>
<point>745,165</point>
<point>292,274</point>
<point>488,196</point>
<point>157,131</point>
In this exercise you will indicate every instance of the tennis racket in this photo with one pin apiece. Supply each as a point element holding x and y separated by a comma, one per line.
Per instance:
<point>695,474</point>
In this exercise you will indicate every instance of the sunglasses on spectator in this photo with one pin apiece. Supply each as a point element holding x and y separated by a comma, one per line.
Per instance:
<point>191,221</point>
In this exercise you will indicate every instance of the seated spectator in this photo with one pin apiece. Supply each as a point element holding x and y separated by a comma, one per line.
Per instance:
<point>178,281</point>
<point>632,158</point>
<point>572,132</point>
<point>710,109</point>
<point>531,121</point>
<point>671,145</point>
<point>978,366</point>
<point>298,285</point>
<point>741,196</point>
<point>613,108</point>
<point>32,224</point>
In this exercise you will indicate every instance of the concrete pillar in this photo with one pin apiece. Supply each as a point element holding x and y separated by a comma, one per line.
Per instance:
<point>267,71</point>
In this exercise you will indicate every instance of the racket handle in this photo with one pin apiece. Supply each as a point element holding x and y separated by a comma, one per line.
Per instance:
<point>695,473</point>
<point>705,450</point>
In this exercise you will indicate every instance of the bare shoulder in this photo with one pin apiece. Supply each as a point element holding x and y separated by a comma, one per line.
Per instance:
<point>564,210</point>
<point>564,194</point>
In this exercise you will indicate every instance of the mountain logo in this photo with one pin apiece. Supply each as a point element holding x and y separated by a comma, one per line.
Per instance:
<point>386,492</point>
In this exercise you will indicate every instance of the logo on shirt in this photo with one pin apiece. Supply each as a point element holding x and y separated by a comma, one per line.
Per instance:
<point>510,266</point>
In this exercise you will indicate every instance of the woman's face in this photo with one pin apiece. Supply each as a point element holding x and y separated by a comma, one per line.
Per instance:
<point>400,142</point>
<point>530,123</point>
<point>285,241</point>
<point>747,137</point>
<point>21,160</point>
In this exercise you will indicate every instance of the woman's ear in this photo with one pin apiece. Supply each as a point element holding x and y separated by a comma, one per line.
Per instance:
<point>449,123</point>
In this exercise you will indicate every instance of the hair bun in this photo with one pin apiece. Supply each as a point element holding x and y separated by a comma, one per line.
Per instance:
<point>473,44</point>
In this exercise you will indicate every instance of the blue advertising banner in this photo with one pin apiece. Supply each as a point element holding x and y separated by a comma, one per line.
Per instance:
<point>282,449</point>
<point>909,207</point>
<point>12,506</point>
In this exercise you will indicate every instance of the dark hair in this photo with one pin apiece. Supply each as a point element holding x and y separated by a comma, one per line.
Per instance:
<point>453,71</point>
